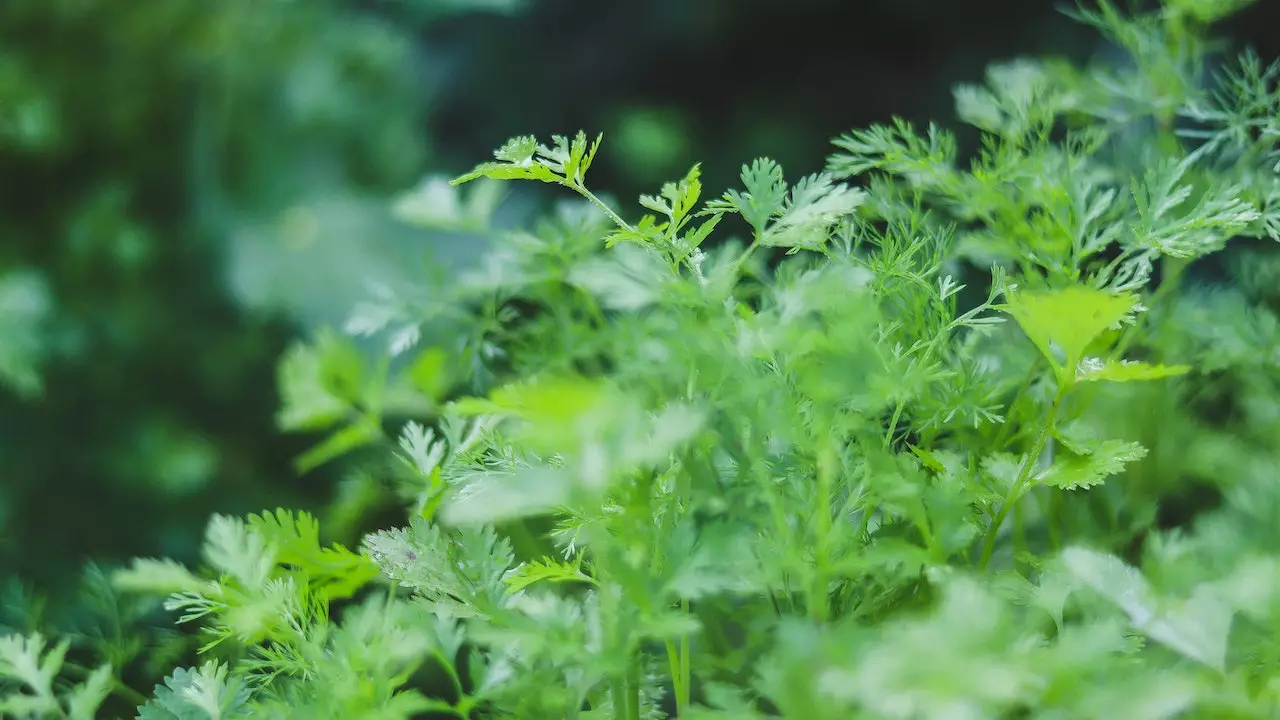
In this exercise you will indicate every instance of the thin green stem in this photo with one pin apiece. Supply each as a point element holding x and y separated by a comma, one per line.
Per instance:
<point>893,422</point>
<point>1024,475</point>
<point>686,669</point>
<point>677,676</point>
<point>615,217</point>
<point>742,259</point>
<point>633,691</point>
<point>447,665</point>
<point>680,668</point>
<point>822,531</point>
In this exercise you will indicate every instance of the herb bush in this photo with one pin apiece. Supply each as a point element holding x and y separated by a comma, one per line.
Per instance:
<point>934,441</point>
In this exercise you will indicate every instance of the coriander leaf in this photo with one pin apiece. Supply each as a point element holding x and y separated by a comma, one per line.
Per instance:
<point>763,198</point>
<point>157,576</point>
<point>84,699</point>
<point>458,572</point>
<point>1063,323</point>
<point>627,278</point>
<point>548,569</point>
<point>239,552</point>
<point>1197,628</point>
<point>318,383</point>
<point>335,571</point>
<point>1092,466</point>
<point>814,205</point>
<point>493,497</point>
<point>23,660</point>
<point>205,693</point>
<point>1094,370</point>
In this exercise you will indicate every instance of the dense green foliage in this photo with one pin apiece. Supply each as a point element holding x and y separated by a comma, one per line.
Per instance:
<point>933,441</point>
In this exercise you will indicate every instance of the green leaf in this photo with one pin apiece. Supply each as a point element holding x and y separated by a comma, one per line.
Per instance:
<point>430,373</point>
<point>1207,11</point>
<point>923,160</point>
<point>424,451</point>
<point>237,551</point>
<point>84,699</point>
<point>522,158</point>
<point>766,191</point>
<point>490,497</point>
<point>23,660</point>
<point>518,150</point>
<point>1091,466</point>
<point>206,693</point>
<point>548,569</point>
<point>1126,371</point>
<point>437,205</point>
<point>161,577</point>
<point>319,382</point>
<point>814,205</point>
<point>1063,323</point>
<point>335,571</point>
<point>1197,627</point>
<point>361,433</point>
<point>458,572</point>
<point>500,171</point>
<point>627,278</point>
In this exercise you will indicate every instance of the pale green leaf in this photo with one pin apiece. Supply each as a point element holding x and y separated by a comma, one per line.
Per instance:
<point>84,699</point>
<point>334,570</point>
<point>161,577</point>
<point>1062,323</point>
<point>1125,371</point>
<point>237,551</point>
<point>1197,627</point>
<point>627,278</point>
<point>1092,466</point>
<point>546,569</point>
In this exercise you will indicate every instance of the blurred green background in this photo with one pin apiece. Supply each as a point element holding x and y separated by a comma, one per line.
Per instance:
<point>187,186</point>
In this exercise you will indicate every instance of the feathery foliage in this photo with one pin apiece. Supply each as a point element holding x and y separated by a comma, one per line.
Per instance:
<point>901,439</point>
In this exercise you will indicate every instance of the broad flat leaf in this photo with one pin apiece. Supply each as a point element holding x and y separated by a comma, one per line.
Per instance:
<point>518,150</point>
<point>1066,321</point>
<point>459,572</point>
<point>1092,466</point>
<point>1197,628</point>
<point>504,171</point>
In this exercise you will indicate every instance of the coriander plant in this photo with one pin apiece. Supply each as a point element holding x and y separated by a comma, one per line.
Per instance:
<point>907,438</point>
